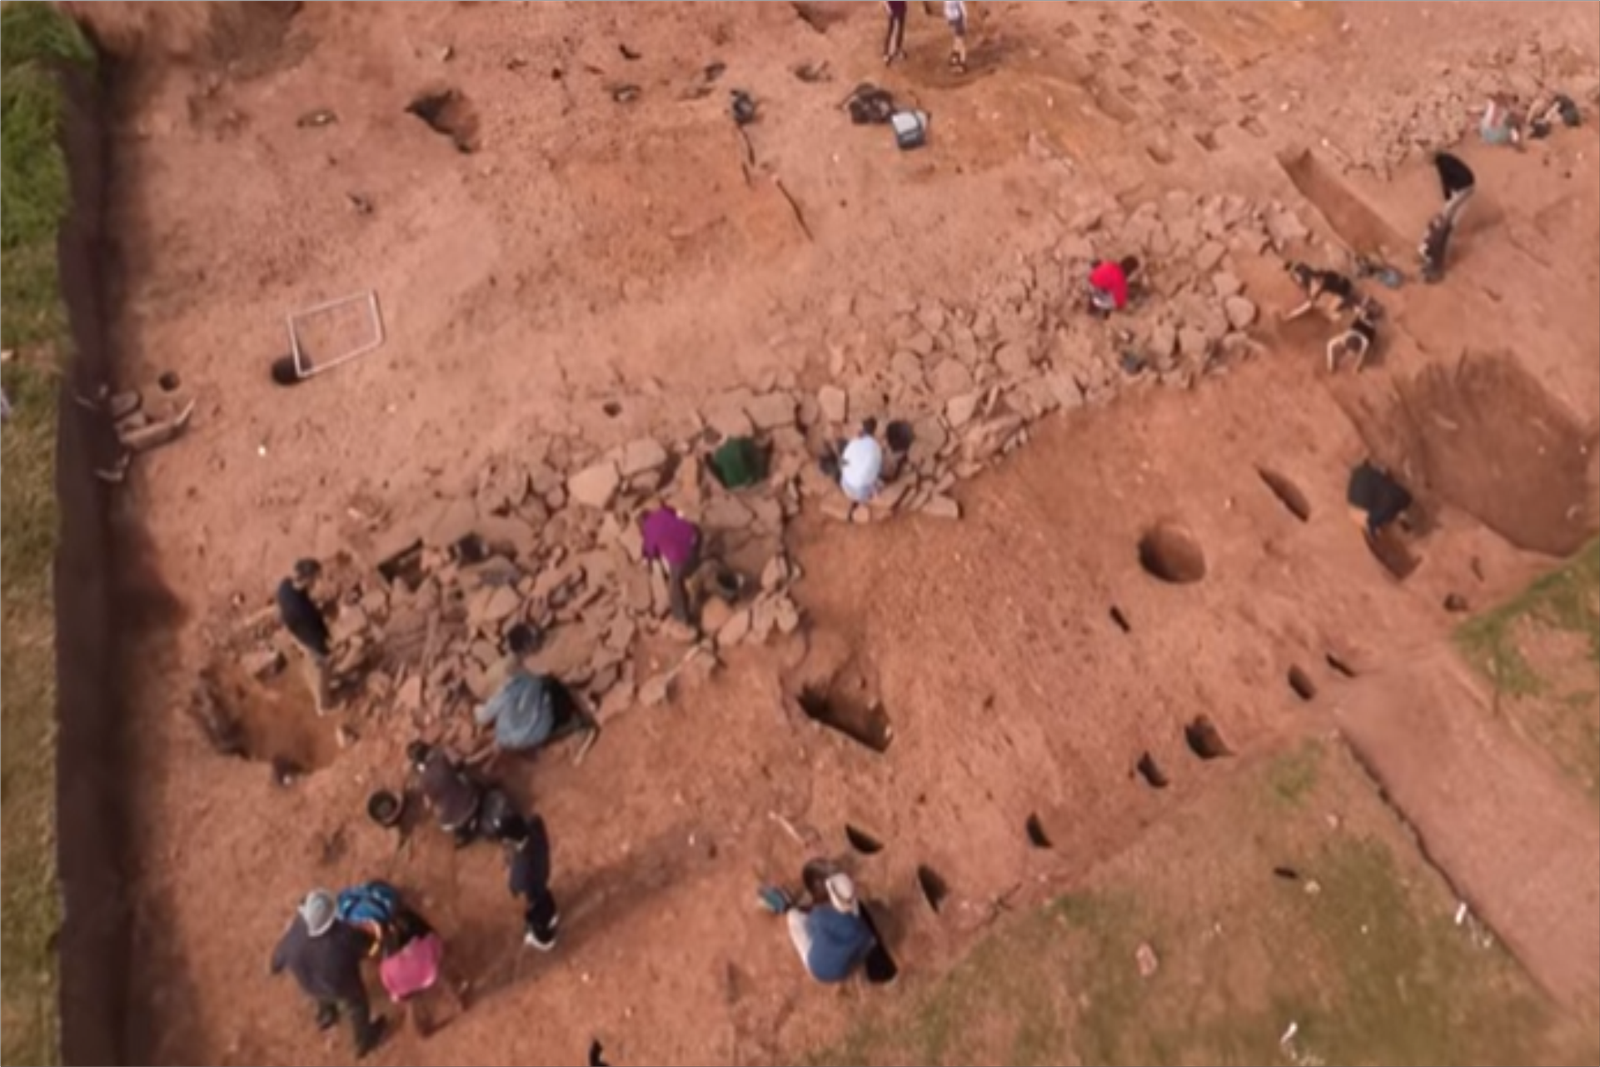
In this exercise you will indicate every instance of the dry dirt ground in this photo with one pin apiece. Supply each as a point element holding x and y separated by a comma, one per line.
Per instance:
<point>570,273</point>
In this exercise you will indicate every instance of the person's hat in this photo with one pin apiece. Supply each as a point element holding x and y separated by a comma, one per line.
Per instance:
<point>319,910</point>
<point>842,892</point>
<point>307,570</point>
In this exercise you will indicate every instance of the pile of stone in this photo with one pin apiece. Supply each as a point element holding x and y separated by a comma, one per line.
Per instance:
<point>973,380</point>
<point>423,602</point>
<point>420,609</point>
<point>1387,131</point>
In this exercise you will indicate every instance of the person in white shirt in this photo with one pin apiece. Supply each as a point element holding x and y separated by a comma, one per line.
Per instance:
<point>861,464</point>
<point>955,13</point>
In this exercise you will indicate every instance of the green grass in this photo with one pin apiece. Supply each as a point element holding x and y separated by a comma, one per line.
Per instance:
<point>1370,967</point>
<point>34,39</point>
<point>1564,721</point>
<point>1567,599</point>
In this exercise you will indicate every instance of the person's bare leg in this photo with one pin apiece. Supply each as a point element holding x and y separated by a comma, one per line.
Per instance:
<point>157,434</point>
<point>1299,311</point>
<point>1362,347</point>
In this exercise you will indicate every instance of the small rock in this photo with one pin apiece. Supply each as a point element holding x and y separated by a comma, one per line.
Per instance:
<point>950,378</point>
<point>1240,311</point>
<point>642,456</point>
<point>1066,389</point>
<point>766,514</point>
<point>455,520</point>
<point>1455,602</point>
<point>837,506</point>
<point>835,404</point>
<point>1074,251</point>
<point>1226,284</point>
<point>932,317</point>
<point>931,437</point>
<point>408,698</point>
<point>890,496</point>
<point>1085,221</point>
<point>656,691</point>
<point>942,507</point>
<point>595,487</point>
<point>1210,255</point>
<point>907,367</point>
<point>730,420</point>
<point>775,574</point>
<point>786,615</point>
<point>736,629</point>
<point>1163,341</point>
<point>961,409</point>
<point>772,410</point>
<point>726,513</point>
<point>502,604</point>
<point>1014,360</point>
<point>1193,342</point>
<point>1145,957</point>
<point>263,664</point>
<point>1285,227</point>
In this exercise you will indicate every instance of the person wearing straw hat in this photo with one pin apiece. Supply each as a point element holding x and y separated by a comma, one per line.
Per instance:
<point>832,937</point>
<point>325,955</point>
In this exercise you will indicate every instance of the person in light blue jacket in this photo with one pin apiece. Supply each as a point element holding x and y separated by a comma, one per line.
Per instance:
<point>529,710</point>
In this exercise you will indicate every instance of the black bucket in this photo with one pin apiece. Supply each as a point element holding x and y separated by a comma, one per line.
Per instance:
<point>284,371</point>
<point>386,808</point>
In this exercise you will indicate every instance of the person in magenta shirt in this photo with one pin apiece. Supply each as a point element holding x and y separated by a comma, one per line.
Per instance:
<point>1108,284</point>
<point>674,541</point>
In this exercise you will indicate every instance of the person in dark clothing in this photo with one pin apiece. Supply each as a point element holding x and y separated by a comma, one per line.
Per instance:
<point>325,955</point>
<point>528,865</point>
<point>1457,182</point>
<point>303,619</point>
<point>894,42</point>
<point>1435,247</point>
<point>451,792</point>
<point>1375,499</point>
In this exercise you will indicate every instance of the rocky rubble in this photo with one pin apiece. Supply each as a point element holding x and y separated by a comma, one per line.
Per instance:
<point>422,603</point>
<point>1385,131</point>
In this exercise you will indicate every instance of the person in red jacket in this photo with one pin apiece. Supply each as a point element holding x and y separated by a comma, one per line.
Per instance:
<point>1108,284</point>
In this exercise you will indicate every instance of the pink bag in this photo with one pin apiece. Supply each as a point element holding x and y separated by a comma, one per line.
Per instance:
<point>413,969</point>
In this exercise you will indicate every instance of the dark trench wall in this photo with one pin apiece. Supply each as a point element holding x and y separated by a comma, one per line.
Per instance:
<point>91,766</point>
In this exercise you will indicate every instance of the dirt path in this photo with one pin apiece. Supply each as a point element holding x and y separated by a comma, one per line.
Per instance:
<point>1519,843</point>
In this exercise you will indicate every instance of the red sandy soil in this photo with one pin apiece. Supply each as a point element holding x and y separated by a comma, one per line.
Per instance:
<point>589,251</point>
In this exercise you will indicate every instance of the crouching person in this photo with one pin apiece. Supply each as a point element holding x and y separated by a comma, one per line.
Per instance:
<point>325,955</point>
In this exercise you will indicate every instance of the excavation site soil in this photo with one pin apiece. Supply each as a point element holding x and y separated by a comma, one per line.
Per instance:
<point>536,270</point>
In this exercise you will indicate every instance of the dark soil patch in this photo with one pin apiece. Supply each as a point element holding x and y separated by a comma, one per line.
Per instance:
<point>1287,493</point>
<point>862,841</point>
<point>1171,553</point>
<point>1205,740</point>
<point>450,113</point>
<point>1151,773</point>
<point>1301,683</point>
<point>933,886</point>
<point>864,723</point>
